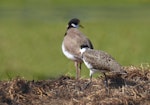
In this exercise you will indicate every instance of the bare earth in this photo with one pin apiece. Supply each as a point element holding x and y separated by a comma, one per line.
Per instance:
<point>68,91</point>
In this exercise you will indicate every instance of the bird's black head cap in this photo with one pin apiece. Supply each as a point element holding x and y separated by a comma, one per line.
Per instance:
<point>74,23</point>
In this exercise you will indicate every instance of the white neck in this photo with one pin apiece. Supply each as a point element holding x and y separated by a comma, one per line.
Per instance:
<point>83,50</point>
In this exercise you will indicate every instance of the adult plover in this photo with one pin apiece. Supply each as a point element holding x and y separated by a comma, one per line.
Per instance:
<point>73,39</point>
<point>97,60</point>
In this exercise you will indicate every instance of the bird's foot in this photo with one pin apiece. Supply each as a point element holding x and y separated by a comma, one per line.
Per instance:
<point>86,85</point>
<point>106,87</point>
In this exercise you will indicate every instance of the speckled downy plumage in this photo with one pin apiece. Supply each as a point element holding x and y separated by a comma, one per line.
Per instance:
<point>100,61</point>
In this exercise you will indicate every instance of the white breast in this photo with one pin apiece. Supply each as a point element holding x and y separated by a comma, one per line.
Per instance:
<point>67,54</point>
<point>88,64</point>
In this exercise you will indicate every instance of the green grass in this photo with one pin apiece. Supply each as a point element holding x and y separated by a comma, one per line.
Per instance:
<point>31,33</point>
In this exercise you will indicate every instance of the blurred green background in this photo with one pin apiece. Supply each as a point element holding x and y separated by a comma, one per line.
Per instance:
<point>31,33</point>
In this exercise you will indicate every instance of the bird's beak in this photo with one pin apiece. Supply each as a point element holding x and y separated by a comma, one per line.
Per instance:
<point>81,26</point>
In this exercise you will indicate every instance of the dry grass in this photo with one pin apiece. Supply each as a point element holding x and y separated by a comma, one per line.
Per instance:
<point>68,91</point>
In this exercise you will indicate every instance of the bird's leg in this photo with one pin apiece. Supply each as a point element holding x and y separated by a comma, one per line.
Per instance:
<point>125,84</point>
<point>90,79</point>
<point>76,66</point>
<point>91,73</point>
<point>88,82</point>
<point>77,70</point>
<point>106,83</point>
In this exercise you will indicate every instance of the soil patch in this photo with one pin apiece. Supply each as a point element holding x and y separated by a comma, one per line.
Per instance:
<point>69,91</point>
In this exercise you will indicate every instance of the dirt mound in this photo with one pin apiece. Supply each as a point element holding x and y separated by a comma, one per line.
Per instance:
<point>68,91</point>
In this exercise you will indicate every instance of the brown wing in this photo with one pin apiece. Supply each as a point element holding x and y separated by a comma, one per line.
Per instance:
<point>74,39</point>
<point>101,60</point>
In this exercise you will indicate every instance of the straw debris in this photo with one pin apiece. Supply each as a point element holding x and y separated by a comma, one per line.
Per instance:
<point>68,91</point>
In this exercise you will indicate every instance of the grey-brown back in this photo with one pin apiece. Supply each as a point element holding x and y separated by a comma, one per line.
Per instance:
<point>101,61</point>
<point>73,40</point>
